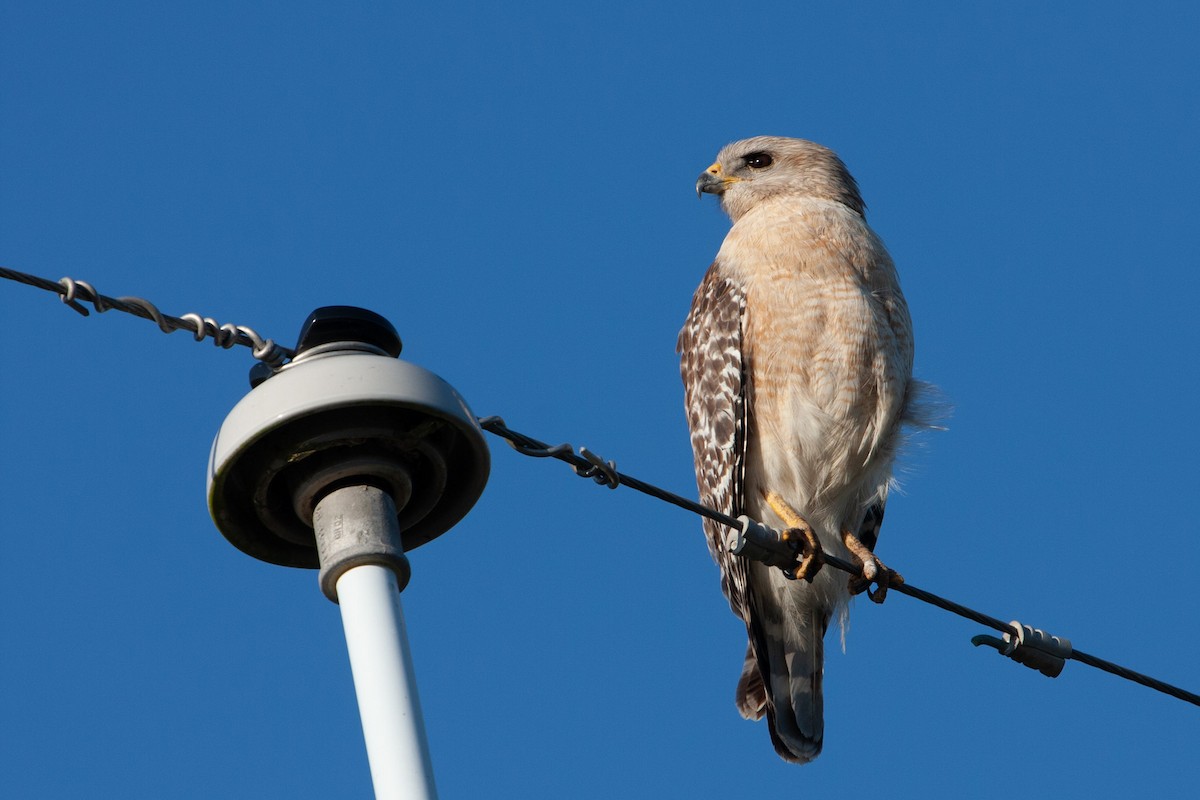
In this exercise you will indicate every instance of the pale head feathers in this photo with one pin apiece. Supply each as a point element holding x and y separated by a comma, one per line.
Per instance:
<point>753,170</point>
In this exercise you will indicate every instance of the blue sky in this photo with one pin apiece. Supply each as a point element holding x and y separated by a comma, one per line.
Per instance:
<point>512,187</point>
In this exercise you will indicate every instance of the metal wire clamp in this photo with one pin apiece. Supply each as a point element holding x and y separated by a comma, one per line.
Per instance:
<point>1032,647</point>
<point>761,543</point>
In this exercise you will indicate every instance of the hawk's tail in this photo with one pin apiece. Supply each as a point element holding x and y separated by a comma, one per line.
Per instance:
<point>783,681</point>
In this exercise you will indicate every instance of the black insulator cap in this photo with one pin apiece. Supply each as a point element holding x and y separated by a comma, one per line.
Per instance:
<point>348,324</point>
<point>259,373</point>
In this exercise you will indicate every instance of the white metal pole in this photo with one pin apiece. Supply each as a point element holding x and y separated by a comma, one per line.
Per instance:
<point>384,682</point>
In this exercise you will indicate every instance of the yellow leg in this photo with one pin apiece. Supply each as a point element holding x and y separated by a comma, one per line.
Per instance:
<point>812,558</point>
<point>873,570</point>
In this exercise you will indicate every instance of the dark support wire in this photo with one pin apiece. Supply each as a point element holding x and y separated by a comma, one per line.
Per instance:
<point>609,476</point>
<point>564,452</point>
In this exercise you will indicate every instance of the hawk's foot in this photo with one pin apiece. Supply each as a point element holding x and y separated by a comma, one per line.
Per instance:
<point>801,535</point>
<point>873,570</point>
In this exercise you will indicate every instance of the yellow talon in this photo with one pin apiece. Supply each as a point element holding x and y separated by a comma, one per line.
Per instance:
<point>873,570</point>
<point>812,558</point>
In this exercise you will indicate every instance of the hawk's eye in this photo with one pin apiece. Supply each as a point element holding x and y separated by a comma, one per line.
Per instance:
<point>759,160</point>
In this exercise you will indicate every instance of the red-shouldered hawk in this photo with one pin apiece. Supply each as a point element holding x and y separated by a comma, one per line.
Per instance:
<point>796,360</point>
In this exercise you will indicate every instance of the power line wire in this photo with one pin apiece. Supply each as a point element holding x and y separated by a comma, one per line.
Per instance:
<point>73,293</point>
<point>1026,645</point>
<point>1023,644</point>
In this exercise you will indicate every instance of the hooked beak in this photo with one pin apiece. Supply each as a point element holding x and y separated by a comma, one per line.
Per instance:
<point>713,181</point>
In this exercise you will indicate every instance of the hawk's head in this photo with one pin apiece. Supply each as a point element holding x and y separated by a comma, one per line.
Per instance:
<point>749,171</point>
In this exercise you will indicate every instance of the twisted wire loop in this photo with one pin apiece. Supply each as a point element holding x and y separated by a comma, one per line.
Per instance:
<point>75,292</point>
<point>749,538</point>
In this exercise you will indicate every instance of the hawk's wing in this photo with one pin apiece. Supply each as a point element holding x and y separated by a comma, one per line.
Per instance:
<point>711,363</point>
